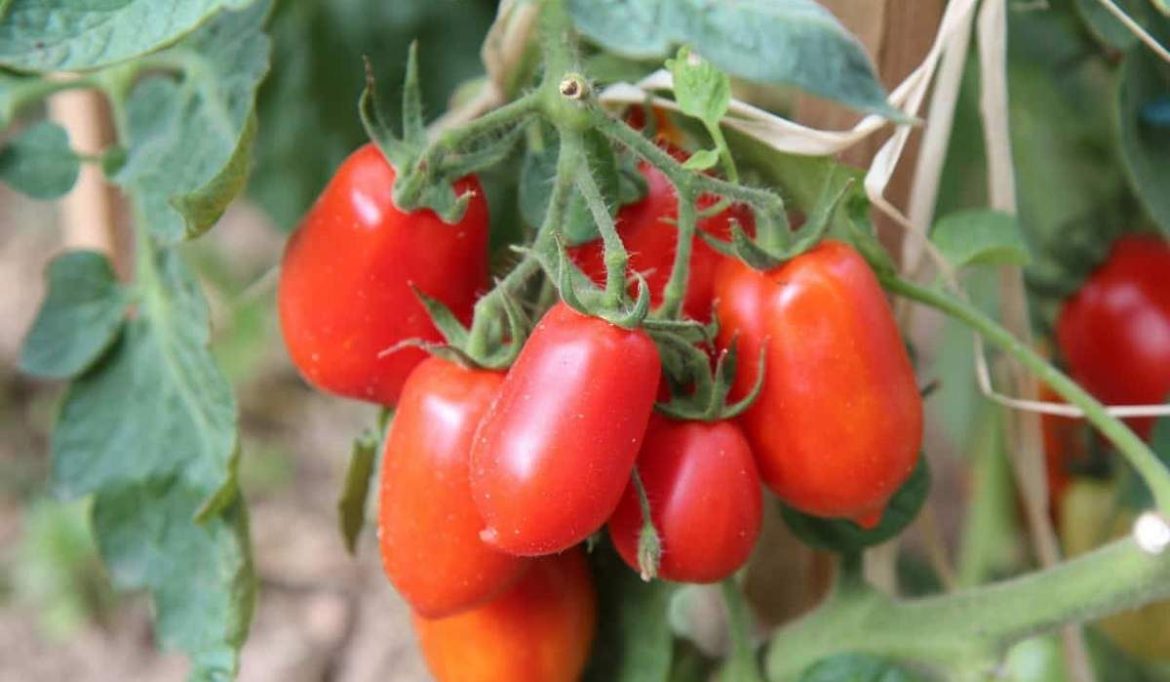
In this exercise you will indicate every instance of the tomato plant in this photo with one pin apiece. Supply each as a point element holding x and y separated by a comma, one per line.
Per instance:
<point>428,527</point>
<point>538,631</point>
<point>607,269</point>
<point>346,280</point>
<point>838,424</point>
<point>554,453</point>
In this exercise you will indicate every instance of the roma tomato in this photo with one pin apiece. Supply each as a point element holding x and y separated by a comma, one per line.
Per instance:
<point>555,452</point>
<point>705,500</point>
<point>648,231</point>
<point>428,527</point>
<point>837,427</point>
<point>344,294</point>
<point>538,631</point>
<point>1115,331</point>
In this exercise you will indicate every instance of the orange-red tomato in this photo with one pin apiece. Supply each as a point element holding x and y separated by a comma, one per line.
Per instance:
<point>428,527</point>
<point>648,230</point>
<point>705,500</point>
<point>838,425</point>
<point>538,631</point>
<point>552,457</point>
<point>344,294</point>
<point>1115,331</point>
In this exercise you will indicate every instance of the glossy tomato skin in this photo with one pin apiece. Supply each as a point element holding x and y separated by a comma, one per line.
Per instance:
<point>428,527</point>
<point>1115,331</point>
<point>555,452</point>
<point>344,294</point>
<point>538,631</point>
<point>705,500</point>
<point>647,228</point>
<point>838,424</point>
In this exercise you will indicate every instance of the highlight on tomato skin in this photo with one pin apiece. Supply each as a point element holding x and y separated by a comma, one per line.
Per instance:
<point>705,500</point>
<point>838,424</point>
<point>344,295</point>
<point>1115,331</point>
<point>428,527</point>
<point>563,434</point>
<point>540,630</point>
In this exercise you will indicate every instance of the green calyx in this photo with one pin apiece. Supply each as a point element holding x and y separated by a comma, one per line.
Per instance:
<point>700,392</point>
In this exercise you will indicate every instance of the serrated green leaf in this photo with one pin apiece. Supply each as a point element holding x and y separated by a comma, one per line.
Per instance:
<point>199,574</point>
<point>701,89</point>
<point>79,319</point>
<point>855,668</point>
<point>635,643</point>
<point>1145,146</point>
<point>351,506</point>
<point>783,42</point>
<point>40,162</point>
<point>843,536</point>
<point>187,139</point>
<point>702,160</point>
<point>155,405</point>
<point>50,35</point>
<point>980,237</point>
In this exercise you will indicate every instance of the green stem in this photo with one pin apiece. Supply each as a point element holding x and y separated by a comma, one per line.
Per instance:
<point>1139,455</point>
<point>741,664</point>
<point>680,272</point>
<point>724,152</point>
<point>973,626</point>
<point>616,258</point>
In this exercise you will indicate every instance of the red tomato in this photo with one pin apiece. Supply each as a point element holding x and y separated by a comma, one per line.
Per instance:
<point>344,293</point>
<point>1064,445</point>
<point>705,501</point>
<point>650,235</point>
<point>427,523</point>
<point>555,452</point>
<point>538,631</point>
<point>1115,331</point>
<point>837,427</point>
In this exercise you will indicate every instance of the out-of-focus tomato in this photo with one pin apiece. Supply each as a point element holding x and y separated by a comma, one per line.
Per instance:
<point>1115,331</point>
<point>554,453</point>
<point>344,294</point>
<point>538,631</point>
<point>837,426</point>
<point>428,526</point>
<point>705,500</point>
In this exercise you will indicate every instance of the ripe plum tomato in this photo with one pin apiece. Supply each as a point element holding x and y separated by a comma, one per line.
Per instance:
<point>554,453</point>
<point>837,426</point>
<point>538,631</point>
<point>344,294</point>
<point>1115,331</point>
<point>705,500</point>
<point>647,228</point>
<point>428,527</point>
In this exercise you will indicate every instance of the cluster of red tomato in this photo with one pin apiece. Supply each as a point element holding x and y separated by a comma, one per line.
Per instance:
<point>491,479</point>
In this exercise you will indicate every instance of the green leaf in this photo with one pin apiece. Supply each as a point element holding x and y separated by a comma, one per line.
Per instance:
<point>1109,29</point>
<point>840,535</point>
<point>855,668</point>
<point>1145,146</point>
<point>39,161</point>
<point>155,405</point>
<point>702,160</point>
<point>783,42</point>
<point>980,237</point>
<point>188,139</point>
<point>634,645</point>
<point>79,319</point>
<point>199,574</point>
<point>701,89</point>
<point>351,507</point>
<point>51,35</point>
